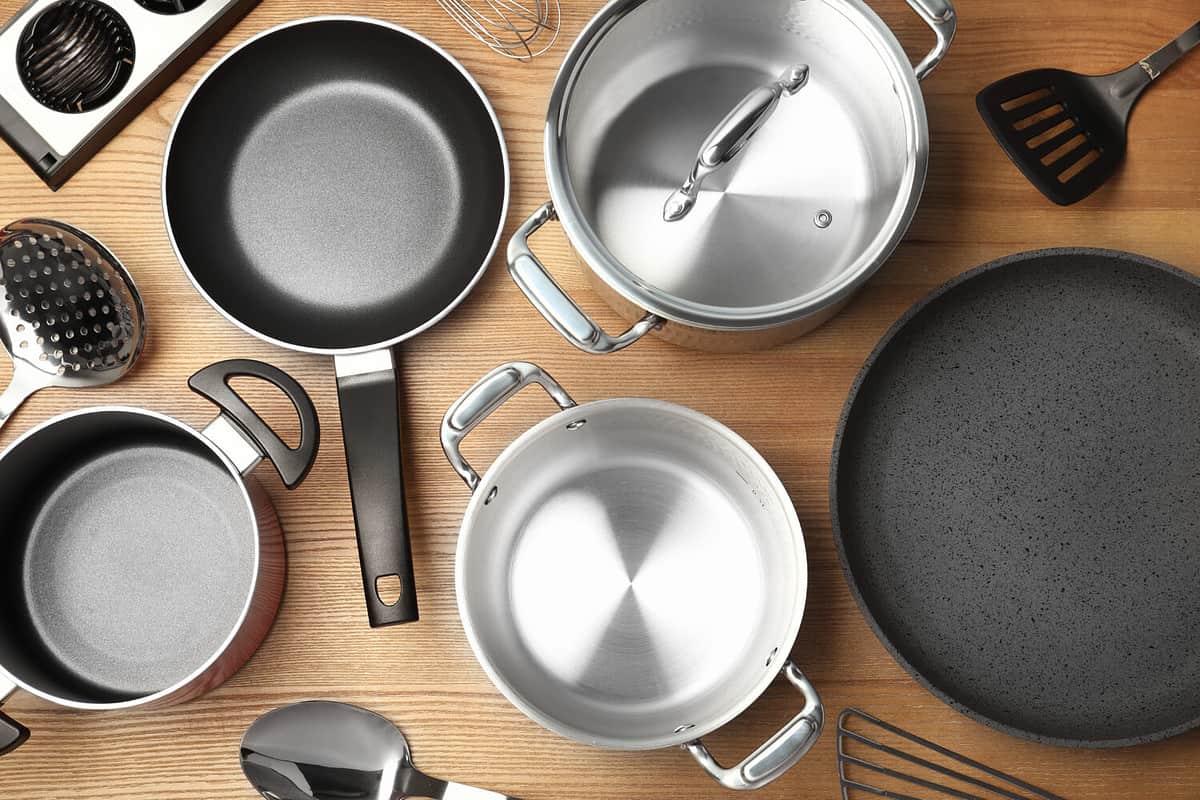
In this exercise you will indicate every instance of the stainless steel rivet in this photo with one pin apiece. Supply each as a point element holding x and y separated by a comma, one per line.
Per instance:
<point>576,425</point>
<point>491,495</point>
<point>823,219</point>
<point>683,728</point>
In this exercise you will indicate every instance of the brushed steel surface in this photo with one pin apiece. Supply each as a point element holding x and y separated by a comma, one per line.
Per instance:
<point>631,574</point>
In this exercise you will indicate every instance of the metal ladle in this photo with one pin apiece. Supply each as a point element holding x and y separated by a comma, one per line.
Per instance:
<point>71,315</point>
<point>332,751</point>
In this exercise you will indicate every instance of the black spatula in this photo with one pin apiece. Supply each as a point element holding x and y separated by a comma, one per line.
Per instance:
<point>1067,131</point>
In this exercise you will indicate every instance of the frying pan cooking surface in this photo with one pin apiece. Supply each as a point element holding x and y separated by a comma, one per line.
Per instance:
<point>335,186</point>
<point>1016,496</point>
<point>130,555</point>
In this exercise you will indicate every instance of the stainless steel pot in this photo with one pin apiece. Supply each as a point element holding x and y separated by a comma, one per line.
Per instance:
<point>631,574</point>
<point>142,564</point>
<point>784,229</point>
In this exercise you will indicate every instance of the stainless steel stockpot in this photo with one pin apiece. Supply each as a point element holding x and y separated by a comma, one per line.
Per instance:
<point>784,229</point>
<point>631,574</point>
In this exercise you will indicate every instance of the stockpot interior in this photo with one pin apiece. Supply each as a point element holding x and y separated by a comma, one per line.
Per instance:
<point>128,556</point>
<point>638,576</point>
<point>659,79</point>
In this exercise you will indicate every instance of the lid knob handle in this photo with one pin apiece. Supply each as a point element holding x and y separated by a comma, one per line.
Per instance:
<point>731,135</point>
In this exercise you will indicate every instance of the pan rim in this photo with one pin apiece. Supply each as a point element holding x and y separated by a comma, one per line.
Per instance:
<point>835,521</point>
<point>401,337</point>
<point>197,674</point>
<point>469,528</point>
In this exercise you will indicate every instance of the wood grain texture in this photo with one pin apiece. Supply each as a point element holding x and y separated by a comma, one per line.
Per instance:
<point>785,402</point>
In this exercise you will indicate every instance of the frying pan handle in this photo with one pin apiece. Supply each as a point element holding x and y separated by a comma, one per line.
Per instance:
<point>560,310</point>
<point>12,733</point>
<point>368,396</point>
<point>293,465</point>
<point>481,401</point>
<point>781,752</point>
<point>939,15</point>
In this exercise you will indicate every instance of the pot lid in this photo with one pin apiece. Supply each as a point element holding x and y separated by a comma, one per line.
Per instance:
<point>736,164</point>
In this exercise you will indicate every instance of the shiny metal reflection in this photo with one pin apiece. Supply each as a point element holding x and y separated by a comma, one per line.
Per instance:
<point>321,750</point>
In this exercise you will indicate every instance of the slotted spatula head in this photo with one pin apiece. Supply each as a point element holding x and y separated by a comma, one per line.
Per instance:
<point>1065,131</point>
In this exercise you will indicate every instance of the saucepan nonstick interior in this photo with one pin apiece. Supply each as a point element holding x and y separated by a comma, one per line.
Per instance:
<point>128,554</point>
<point>336,184</point>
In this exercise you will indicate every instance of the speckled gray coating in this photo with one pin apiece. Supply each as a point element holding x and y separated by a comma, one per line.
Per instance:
<point>128,553</point>
<point>1015,494</point>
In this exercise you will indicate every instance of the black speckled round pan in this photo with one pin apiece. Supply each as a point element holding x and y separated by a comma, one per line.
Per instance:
<point>1016,496</point>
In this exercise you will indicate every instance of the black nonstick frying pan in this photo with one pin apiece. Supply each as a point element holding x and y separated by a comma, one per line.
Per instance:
<point>1016,496</point>
<point>337,185</point>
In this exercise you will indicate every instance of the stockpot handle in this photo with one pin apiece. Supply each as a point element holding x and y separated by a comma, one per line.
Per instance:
<point>781,752</point>
<point>483,399</point>
<point>12,733</point>
<point>939,15</point>
<point>252,438</point>
<point>553,303</point>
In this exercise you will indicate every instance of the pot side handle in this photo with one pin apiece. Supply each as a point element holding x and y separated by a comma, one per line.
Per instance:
<point>12,733</point>
<point>939,15</point>
<point>481,401</point>
<point>293,465</point>
<point>780,753</point>
<point>553,303</point>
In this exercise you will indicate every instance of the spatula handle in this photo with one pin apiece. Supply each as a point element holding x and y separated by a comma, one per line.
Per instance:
<point>1161,59</point>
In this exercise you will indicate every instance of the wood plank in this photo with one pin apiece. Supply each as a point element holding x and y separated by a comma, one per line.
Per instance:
<point>976,207</point>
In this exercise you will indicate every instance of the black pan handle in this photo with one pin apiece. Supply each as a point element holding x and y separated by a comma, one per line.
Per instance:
<point>368,395</point>
<point>292,464</point>
<point>12,733</point>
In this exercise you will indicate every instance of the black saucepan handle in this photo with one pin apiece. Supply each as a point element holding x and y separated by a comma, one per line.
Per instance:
<point>368,395</point>
<point>293,464</point>
<point>12,734</point>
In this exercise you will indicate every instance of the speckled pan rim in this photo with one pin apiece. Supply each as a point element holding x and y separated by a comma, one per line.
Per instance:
<point>835,521</point>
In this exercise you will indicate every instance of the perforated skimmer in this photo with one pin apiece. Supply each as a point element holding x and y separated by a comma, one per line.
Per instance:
<point>71,315</point>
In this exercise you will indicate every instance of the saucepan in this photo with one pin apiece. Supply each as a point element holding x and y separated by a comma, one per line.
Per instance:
<point>140,562</point>
<point>749,243</point>
<point>631,574</point>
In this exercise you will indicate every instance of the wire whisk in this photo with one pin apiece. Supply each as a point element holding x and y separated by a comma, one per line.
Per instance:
<point>518,29</point>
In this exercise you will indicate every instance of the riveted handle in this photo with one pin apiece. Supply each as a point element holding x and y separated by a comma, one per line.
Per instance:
<point>481,401</point>
<point>779,753</point>
<point>292,464</point>
<point>553,303</point>
<point>939,15</point>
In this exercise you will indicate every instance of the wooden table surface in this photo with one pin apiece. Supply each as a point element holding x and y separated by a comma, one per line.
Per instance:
<point>785,402</point>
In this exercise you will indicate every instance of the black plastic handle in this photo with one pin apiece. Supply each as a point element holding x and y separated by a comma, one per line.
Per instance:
<point>12,734</point>
<point>370,410</point>
<point>292,464</point>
